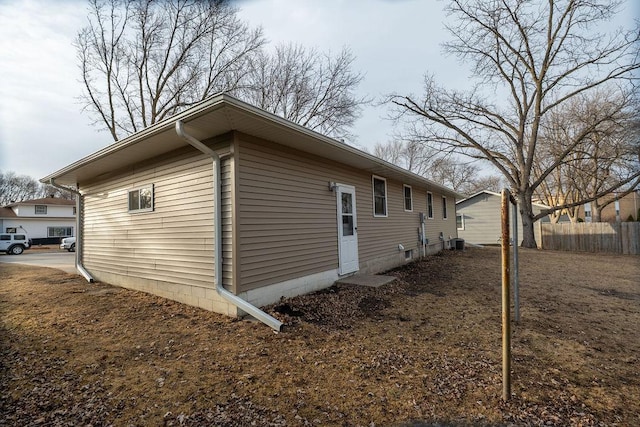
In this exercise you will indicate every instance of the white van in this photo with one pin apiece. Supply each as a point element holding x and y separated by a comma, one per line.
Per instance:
<point>14,244</point>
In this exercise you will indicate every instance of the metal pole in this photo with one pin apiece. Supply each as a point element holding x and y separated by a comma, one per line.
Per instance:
<point>516,284</point>
<point>506,315</point>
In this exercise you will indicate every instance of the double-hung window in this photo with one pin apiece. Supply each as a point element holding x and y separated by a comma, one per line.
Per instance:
<point>444,207</point>
<point>429,205</point>
<point>379,196</point>
<point>408,198</point>
<point>141,199</point>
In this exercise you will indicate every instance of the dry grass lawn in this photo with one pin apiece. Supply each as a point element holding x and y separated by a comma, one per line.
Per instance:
<point>422,351</point>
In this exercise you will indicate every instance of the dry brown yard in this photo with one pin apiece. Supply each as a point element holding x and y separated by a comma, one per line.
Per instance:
<point>422,351</point>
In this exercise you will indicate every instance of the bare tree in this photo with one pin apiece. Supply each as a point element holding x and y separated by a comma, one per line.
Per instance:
<point>454,173</point>
<point>313,89</point>
<point>414,156</point>
<point>144,60</point>
<point>611,156</point>
<point>17,188</point>
<point>607,157</point>
<point>487,182</point>
<point>529,59</point>
<point>410,155</point>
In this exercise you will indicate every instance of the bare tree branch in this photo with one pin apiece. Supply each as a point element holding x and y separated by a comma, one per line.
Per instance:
<point>534,58</point>
<point>314,89</point>
<point>143,60</point>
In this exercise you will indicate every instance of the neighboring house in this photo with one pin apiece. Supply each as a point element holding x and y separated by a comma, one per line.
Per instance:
<point>46,221</point>
<point>478,218</point>
<point>616,211</point>
<point>298,210</point>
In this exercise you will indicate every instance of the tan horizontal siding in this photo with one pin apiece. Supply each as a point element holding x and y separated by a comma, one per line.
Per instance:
<point>175,242</point>
<point>226,174</point>
<point>283,223</point>
<point>435,225</point>
<point>287,214</point>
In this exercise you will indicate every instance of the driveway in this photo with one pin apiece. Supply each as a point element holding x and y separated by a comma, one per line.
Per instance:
<point>64,261</point>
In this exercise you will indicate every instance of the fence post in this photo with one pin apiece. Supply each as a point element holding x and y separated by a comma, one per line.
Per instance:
<point>516,279</point>
<point>506,305</point>
<point>540,246</point>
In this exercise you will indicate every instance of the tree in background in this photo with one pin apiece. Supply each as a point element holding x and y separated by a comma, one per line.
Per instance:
<point>416,157</point>
<point>142,61</point>
<point>16,188</point>
<point>607,158</point>
<point>313,89</point>
<point>530,59</point>
<point>410,155</point>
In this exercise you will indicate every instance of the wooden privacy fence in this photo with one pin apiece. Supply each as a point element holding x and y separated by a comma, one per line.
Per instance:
<point>617,237</point>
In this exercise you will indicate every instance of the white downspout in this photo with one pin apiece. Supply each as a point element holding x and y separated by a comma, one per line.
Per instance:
<point>217,203</point>
<point>79,236</point>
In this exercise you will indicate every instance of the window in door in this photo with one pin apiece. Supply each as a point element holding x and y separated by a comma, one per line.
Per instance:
<point>347,214</point>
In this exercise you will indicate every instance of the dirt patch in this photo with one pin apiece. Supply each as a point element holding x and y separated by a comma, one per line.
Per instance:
<point>424,350</point>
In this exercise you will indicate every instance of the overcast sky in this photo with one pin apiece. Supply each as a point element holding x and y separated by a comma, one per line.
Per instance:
<point>42,127</point>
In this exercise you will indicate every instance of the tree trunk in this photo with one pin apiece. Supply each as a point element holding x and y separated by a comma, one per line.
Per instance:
<point>526,214</point>
<point>596,212</point>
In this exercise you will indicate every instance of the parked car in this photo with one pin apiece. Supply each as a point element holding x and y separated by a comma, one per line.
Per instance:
<point>14,244</point>
<point>68,243</point>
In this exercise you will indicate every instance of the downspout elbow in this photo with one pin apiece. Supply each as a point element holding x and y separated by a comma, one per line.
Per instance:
<point>79,236</point>
<point>217,200</point>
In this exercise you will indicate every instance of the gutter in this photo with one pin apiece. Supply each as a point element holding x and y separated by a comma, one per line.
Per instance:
<point>217,203</point>
<point>79,210</point>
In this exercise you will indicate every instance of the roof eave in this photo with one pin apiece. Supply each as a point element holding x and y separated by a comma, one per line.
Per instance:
<point>223,100</point>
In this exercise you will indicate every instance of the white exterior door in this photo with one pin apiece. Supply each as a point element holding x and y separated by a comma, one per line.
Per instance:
<point>347,229</point>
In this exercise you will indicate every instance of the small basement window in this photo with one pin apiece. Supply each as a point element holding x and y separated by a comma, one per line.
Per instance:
<point>141,199</point>
<point>408,254</point>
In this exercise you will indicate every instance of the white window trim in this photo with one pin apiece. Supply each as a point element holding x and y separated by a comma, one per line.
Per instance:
<point>429,214</point>
<point>153,197</point>
<point>461,222</point>
<point>445,211</point>
<point>404,198</point>
<point>35,209</point>
<point>386,196</point>
<point>49,229</point>
<point>587,212</point>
